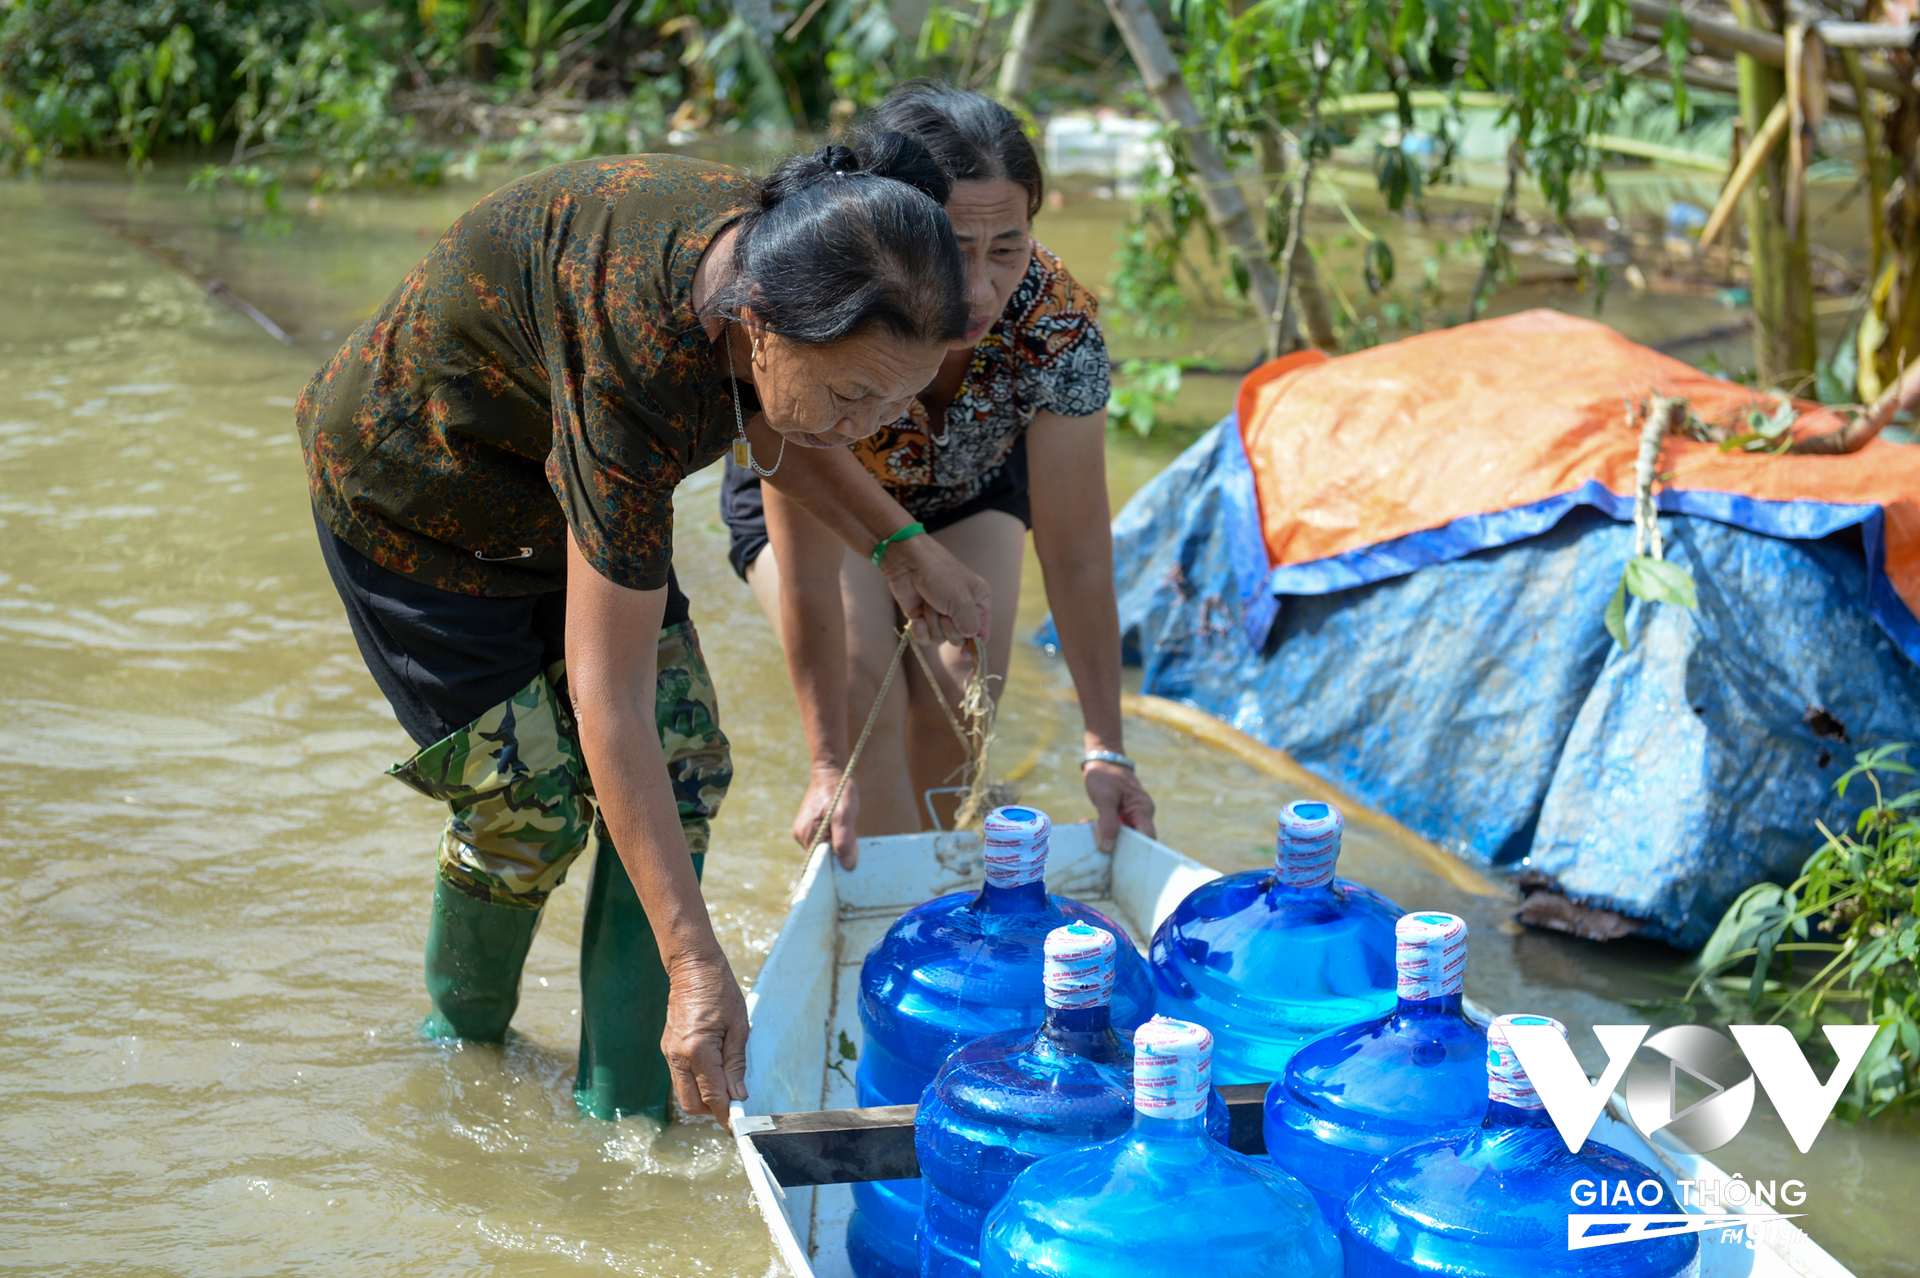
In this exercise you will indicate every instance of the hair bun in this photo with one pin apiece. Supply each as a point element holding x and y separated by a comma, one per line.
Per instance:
<point>897,156</point>
<point>796,174</point>
<point>885,155</point>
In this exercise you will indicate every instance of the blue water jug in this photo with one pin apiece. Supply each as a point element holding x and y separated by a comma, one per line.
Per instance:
<point>1268,959</point>
<point>1166,1200</point>
<point>1494,1202</point>
<point>946,973</point>
<point>1352,1097</point>
<point>1004,1101</point>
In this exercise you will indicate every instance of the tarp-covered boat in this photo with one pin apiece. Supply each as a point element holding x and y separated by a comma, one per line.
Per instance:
<point>1395,566</point>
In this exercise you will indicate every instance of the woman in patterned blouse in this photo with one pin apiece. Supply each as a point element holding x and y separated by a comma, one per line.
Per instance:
<point>1019,405</point>
<point>492,459</point>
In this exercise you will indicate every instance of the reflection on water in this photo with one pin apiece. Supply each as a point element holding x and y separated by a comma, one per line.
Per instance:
<point>217,904</point>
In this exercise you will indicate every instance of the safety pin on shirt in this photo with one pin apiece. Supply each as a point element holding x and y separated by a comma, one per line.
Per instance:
<point>526,552</point>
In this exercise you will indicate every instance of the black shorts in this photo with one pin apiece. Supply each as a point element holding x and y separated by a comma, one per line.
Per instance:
<point>745,512</point>
<point>444,659</point>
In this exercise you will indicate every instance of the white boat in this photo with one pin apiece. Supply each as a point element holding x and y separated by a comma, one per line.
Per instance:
<point>806,1036</point>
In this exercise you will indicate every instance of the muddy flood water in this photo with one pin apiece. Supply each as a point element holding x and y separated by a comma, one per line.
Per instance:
<point>215,904</point>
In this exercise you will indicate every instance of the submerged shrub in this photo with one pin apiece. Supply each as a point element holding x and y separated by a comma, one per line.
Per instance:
<point>1838,945</point>
<point>126,77</point>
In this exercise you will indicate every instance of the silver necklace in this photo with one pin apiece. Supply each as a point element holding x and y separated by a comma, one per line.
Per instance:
<point>742,450</point>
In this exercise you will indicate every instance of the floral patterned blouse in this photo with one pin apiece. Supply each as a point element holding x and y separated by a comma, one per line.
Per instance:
<point>1045,354</point>
<point>541,370</point>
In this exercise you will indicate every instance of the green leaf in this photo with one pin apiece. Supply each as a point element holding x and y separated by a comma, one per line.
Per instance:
<point>1141,391</point>
<point>1782,420</point>
<point>1617,615</point>
<point>1660,581</point>
<point>1676,37</point>
<point>1379,265</point>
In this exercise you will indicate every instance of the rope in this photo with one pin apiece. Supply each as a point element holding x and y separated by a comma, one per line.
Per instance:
<point>976,704</point>
<point>1661,413</point>
<point>966,742</point>
<point>873,717</point>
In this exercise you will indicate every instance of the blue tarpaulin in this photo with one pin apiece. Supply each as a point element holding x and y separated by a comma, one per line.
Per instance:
<point>1478,698</point>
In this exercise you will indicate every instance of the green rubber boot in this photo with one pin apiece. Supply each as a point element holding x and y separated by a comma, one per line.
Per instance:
<point>475,950</point>
<point>623,999</point>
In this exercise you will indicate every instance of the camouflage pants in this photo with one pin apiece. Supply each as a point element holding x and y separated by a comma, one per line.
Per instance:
<point>522,802</point>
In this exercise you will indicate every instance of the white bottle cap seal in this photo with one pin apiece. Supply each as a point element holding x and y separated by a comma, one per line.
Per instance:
<point>1309,843</point>
<point>1507,1082</point>
<point>1172,1068</point>
<point>1078,970</point>
<point>1430,954</point>
<point>1016,851</point>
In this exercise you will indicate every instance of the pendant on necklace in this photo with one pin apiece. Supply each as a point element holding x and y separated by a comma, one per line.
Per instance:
<point>742,452</point>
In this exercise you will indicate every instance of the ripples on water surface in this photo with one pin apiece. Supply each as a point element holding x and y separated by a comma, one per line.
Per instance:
<point>216,905</point>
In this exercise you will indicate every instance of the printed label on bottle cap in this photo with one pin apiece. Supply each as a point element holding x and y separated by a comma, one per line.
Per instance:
<point>1016,850</point>
<point>1506,1081</point>
<point>1309,843</point>
<point>1078,971</point>
<point>1172,1068</point>
<point>1430,954</point>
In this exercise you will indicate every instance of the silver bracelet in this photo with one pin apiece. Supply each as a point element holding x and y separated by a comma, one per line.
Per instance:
<point>1107,756</point>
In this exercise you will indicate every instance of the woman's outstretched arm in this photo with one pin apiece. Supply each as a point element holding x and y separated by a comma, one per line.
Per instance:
<point>1073,537</point>
<point>612,637</point>
<point>813,631</point>
<point>942,597</point>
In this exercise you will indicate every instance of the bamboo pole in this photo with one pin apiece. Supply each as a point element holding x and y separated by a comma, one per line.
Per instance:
<point>1751,158</point>
<point>1876,177</point>
<point>1226,206</point>
<point>1639,150</point>
<point>1806,107</point>
<point>1016,65</point>
<point>1761,43</point>
<point>1779,264</point>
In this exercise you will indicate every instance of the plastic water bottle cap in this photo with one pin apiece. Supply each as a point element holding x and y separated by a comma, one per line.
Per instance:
<point>1016,851</point>
<point>1309,843</point>
<point>1430,954</point>
<point>1172,1068</point>
<point>1506,1081</point>
<point>1078,971</point>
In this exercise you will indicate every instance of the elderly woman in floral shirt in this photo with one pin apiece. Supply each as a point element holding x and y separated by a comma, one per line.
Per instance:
<point>492,461</point>
<point>1018,407</point>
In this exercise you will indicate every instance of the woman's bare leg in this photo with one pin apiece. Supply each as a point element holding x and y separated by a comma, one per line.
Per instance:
<point>888,802</point>
<point>763,578</point>
<point>912,747</point>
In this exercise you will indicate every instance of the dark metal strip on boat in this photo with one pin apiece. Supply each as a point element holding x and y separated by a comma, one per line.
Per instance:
<point>840,1146</point>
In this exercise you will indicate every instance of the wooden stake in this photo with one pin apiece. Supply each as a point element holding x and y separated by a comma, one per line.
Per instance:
<point>1016,64</point>
<point>1876,181</point>
<point>1795,193</point>
<point>1755,154</point>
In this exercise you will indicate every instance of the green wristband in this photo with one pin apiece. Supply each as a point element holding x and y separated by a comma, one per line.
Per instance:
<point>913,529</point>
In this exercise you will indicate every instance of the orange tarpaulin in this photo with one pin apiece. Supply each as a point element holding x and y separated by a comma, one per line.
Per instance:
<point>1353,452</point>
